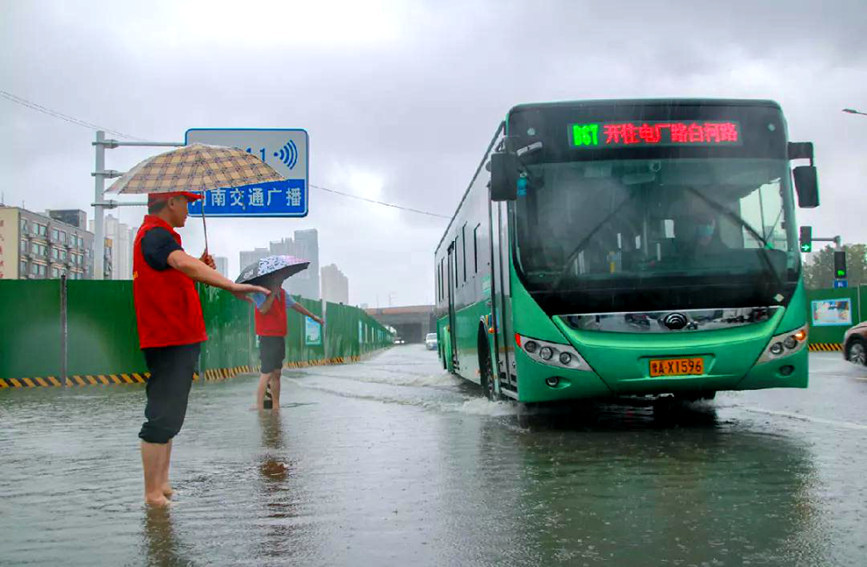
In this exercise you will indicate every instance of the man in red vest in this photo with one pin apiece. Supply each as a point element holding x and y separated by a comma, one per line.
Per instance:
<point>271,327</point>
<point>170,328</point>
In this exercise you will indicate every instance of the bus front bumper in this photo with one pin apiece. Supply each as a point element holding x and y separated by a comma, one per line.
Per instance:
<point>626,372</point>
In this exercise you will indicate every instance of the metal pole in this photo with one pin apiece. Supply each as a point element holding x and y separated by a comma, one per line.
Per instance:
<point>98,210</point>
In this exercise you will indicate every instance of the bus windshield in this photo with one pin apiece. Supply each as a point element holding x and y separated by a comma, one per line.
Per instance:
<point>606,225</point>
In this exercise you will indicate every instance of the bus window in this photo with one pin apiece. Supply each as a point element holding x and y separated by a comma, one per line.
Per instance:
<point>476,249</point>
<point>464,248</point>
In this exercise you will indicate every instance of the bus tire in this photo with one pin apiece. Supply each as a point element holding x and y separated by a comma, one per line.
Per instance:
<point>856,351</point>
<point>486,369</point>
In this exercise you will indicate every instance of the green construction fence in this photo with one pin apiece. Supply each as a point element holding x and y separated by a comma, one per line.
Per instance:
<point>93,323</point>
<point>831,312</point>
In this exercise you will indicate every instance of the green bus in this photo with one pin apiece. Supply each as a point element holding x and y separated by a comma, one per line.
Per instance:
<point>629,248</point>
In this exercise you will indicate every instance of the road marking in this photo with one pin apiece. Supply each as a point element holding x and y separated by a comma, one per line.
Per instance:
<point>843,424</point>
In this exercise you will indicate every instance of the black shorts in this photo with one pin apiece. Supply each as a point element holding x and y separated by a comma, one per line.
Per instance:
<point>168,390</point>
<point>272,351</point>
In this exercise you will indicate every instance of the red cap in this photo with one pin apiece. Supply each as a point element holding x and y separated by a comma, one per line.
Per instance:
<point>154,197</point>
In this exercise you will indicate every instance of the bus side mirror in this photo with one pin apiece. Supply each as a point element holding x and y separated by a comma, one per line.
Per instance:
<point>504,177</point>
<point>807,185</point>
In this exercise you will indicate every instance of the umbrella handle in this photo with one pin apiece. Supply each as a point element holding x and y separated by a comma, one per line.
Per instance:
<point>205,226</point>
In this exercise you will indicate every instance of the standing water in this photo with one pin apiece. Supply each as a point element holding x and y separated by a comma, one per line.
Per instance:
<point>393,462</point>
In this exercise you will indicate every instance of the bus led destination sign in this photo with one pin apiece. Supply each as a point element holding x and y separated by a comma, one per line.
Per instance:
<point>602,135</point>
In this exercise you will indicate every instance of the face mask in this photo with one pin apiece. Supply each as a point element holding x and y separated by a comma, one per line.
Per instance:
<point>704,230</point>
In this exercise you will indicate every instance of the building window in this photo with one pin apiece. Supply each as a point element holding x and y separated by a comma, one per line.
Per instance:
<point>55,273</point>
<point>23,225</point>
<point>24,247</point>
<point>62,237</point>
<point>34,269</point>
<point>22,268</point>
<point>55,234</point>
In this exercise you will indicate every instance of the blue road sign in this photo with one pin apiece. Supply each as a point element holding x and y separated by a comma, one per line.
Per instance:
<point>841,283</point>
<point>276,199</point>
<point>284,149</point>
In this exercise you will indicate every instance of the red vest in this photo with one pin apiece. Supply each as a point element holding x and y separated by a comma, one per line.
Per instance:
<point>273,323</point>
<point>167,305</point>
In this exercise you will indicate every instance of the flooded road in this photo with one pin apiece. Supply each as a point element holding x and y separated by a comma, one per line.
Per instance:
<point>393,462</point>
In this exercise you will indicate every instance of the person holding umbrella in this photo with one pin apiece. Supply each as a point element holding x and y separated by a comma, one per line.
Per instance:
<point>171,327</point>
<point>271,319</point>
<point>271,328</point>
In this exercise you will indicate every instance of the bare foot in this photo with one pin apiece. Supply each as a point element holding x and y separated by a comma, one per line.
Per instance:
<point>167,490</point>
<point>157,501</point>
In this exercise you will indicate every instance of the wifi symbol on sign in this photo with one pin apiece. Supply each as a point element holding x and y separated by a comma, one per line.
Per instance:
<point>288,154</point>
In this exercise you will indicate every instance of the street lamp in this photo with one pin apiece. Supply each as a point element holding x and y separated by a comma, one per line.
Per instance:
<point>853,111</point>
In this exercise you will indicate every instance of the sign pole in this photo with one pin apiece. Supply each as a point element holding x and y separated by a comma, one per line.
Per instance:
<point>98,208</point>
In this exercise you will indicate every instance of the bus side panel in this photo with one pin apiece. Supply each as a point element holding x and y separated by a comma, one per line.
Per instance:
<point>470,275</point>
<point>474,269</point>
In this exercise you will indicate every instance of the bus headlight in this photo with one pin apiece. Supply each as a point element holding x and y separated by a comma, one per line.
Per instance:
<point>785,345</point>
<point>552,354</point>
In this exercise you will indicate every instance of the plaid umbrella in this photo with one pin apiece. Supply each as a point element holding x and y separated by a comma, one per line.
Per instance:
<point>196,167</point>
<point>282,266</point>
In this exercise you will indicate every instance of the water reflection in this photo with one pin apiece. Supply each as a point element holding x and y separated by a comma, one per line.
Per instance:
<point>163,547</point>
<point>650,485</point>
<point>275,492</point>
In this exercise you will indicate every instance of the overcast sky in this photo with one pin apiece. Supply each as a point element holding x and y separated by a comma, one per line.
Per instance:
<point>401,98</point>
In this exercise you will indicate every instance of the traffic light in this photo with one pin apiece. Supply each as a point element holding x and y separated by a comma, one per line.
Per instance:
<point>806,239</point>
<point>840,265</point>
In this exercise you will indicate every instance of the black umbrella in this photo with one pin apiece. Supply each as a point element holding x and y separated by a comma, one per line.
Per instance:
<point>272,266</point>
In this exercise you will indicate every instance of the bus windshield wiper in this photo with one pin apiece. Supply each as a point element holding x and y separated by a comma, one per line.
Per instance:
<point>764,255</point>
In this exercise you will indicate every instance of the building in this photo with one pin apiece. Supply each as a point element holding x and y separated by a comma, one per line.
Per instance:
<point>252,256</point>
<point>335,285</point>
<point>120,257</point>
<point>306,283</point>
<point>305,244</point>
<point>222,265</point>
<point>34,246</point>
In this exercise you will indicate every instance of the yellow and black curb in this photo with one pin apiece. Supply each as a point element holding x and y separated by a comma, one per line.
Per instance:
<point>210,375</point>
<point>826,347</point>
<point>214,375</point>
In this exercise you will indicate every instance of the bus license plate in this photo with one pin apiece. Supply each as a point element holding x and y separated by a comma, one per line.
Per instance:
<point>676,367</point>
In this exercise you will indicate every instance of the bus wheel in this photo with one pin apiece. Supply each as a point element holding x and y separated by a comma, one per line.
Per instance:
<point>856,352</point>
<point>487,372</point>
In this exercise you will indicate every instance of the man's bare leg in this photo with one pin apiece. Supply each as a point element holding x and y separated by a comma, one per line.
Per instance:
<point>260,390</point>
<point>164,483</point>
<point>153,456</point>
<point>275,389</point>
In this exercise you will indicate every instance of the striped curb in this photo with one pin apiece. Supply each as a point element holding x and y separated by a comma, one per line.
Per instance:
<point>826,347</point>
<point>211,375</point>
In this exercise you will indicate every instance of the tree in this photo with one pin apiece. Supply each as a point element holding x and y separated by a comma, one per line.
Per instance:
<point>819,269</point>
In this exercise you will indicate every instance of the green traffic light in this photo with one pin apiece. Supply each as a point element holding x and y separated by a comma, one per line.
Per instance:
<point>806,247</point>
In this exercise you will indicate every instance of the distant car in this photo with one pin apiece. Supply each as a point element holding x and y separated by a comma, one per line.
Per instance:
<point>430,341</point>
<point>855,344</point>
<point>399,340</point>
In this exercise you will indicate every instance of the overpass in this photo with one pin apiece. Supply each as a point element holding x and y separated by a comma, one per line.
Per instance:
<point>412,322</point>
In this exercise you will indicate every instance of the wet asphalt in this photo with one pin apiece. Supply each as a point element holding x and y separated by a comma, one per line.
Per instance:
<point>393,462</point>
